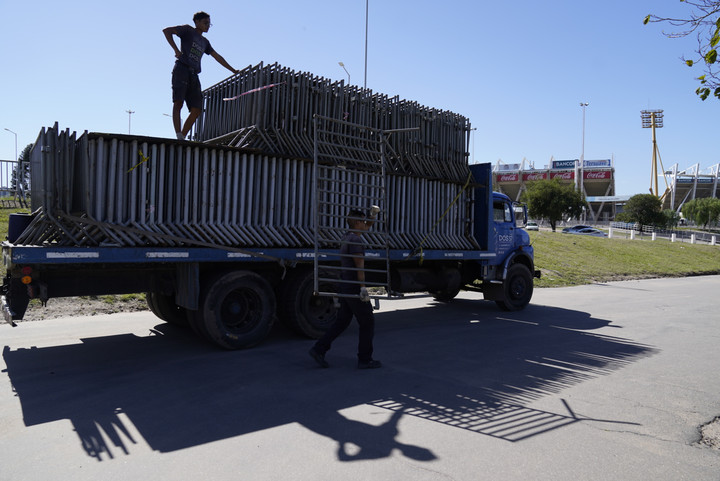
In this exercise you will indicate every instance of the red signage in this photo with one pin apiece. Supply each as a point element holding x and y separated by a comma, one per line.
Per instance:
<point>535,176</point>
<point>569,175</point>
<point>597,175</point>
<point>508,177</point>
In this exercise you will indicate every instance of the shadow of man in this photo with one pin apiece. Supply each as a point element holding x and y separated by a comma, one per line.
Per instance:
<point>361,441</point>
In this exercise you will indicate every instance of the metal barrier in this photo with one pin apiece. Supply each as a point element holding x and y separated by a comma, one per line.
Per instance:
<point>271,108</point>
<point>349,174</point>
<point>120,190</point>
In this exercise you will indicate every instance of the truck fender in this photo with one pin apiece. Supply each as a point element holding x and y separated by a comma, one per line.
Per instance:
<point>515,257</point>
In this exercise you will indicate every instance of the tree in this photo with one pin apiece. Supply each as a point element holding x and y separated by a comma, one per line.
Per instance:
<point>670,218</point>
<point>704,22</point>
<point>702,211</point>
<point>22,170</point>
<point>645,209</point>
<point>553,201</point>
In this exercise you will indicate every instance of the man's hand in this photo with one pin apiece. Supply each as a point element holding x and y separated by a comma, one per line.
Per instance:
<point>364,295</point>
<point>374,210</point>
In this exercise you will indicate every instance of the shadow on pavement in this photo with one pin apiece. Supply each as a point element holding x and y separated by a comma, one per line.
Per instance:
<point>464,364</point>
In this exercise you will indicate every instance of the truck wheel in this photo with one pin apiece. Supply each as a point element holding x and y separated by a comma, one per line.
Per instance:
<point>302,311</point>
<point>238,310</point>
<point>164,307</point>
<point>517,288</point>
<point>445,295</point>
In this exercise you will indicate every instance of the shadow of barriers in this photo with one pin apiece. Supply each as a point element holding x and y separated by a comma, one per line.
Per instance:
<point>464,365</point>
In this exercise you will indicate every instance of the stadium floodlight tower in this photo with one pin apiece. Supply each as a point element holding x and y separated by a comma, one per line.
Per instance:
<point>653,119</point>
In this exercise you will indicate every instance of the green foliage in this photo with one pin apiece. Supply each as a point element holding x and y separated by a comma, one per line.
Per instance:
<point>702,21</point>
<point>22,170</point>
<point>670,218</point>
<point>702,211</point>
<point>553,201</point>
<point>645,209</point>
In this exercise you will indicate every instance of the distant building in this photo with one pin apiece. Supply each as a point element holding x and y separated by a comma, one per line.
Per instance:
<point>594,178</point>
<point>693,183</point>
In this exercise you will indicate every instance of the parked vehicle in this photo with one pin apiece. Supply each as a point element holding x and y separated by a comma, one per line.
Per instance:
<point>227,238</point>
<point>531,225</point>
<point>576,228</point>
<point>587,231</point>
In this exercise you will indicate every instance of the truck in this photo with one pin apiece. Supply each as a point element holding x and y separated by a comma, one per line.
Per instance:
<point>243,224</point>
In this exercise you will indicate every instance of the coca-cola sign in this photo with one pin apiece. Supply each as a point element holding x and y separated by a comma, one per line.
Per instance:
<point>507,177</point>
<point>597,175</point>
<point>570,175</point>
<point>535,176</point>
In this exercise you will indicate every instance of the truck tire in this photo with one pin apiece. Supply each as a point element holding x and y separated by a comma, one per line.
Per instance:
<point>164,307</point>
<point>237,310</point>
<point>302,311</point>
<point>517,288</point>
<point>445,295</point>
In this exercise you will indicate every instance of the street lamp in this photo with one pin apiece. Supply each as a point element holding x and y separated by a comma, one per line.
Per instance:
<point>583,105</point>
<point>16,156</point>
<point>348,73</point>
<point>130,112</point>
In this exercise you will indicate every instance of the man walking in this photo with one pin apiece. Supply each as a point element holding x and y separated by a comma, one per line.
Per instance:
<point>352,283</point>
<point>185,80</point>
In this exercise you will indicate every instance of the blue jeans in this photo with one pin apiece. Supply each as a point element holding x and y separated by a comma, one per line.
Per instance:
<point>362,311</point>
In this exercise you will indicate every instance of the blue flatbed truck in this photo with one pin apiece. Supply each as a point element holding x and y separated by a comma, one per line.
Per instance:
<point>243,226</point>
<point>233,296</point>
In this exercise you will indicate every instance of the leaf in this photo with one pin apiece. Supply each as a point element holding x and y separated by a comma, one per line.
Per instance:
<point>647,20</point>
<point>689,63</point>
<point>711,57</point>
<point>717,93</point>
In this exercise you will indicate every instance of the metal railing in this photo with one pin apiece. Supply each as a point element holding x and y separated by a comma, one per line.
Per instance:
<point>349,173</point>
<point>271,108</point>
<point>120,190</point>
<point>12,191</point>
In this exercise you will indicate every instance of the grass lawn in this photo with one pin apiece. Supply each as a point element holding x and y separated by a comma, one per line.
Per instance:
<point>567,259</point>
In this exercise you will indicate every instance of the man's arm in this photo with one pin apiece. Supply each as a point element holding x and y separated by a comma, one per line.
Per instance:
<point>169,32</point>
<point>360,264</point>
<point>222,61</point>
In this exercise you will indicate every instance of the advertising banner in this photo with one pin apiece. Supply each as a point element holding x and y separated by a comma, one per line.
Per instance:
<point>563,164</point>
<point>500,178</point>
<point>597,163</point>
<point>597,175</point>
<point>534,176</point>
<point>569,175</point>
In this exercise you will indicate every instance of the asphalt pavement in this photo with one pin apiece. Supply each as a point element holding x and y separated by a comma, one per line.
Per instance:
<point>605,381</point>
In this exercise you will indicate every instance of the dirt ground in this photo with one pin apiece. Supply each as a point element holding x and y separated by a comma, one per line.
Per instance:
<point>81,306</point>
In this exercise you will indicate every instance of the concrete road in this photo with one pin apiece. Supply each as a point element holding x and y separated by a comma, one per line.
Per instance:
<point>608,381</point>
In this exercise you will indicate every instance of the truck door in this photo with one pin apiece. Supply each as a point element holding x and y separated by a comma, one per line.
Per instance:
<point>504,226</point>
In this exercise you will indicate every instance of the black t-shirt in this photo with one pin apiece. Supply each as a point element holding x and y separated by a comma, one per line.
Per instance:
<point>352,246</point>
<point>193,46</point>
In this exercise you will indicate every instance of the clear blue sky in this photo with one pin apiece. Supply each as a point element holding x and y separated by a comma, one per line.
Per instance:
<point>518,70</point>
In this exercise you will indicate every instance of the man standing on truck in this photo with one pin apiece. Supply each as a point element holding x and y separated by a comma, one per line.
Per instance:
<point>185,80</point>
<point>352,283</point>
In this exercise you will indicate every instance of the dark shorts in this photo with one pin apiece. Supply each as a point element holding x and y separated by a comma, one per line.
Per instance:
<point>186,86</point>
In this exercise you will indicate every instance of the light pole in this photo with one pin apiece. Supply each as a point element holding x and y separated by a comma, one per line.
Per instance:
<point>348,73</point>
<point>130,112</point>
<point>16,156</point>
<point>583,105</point>
<point>366,40</point>
<point>652,119</point>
